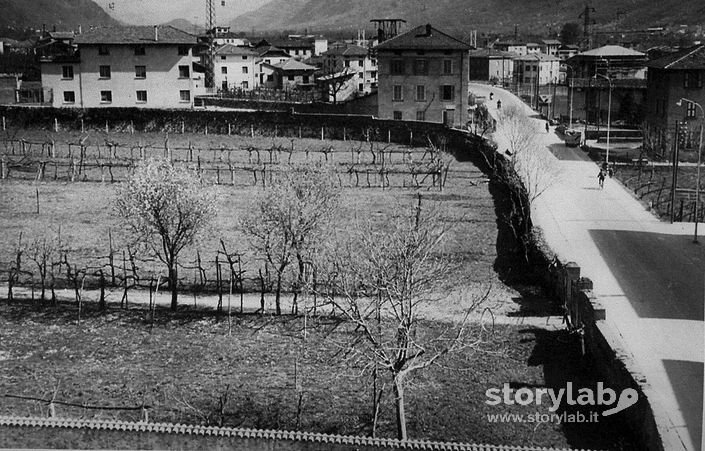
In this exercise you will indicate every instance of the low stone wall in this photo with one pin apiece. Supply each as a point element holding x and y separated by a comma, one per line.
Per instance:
<point>95,434</point>
<point>607,352</point>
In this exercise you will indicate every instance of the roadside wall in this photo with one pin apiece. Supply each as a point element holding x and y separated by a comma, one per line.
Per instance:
<point>94,434</point>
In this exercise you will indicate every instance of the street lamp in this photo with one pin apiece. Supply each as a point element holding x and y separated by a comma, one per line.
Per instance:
<point>609,116</point>
<point>700,148</point>
<point>570,81</point>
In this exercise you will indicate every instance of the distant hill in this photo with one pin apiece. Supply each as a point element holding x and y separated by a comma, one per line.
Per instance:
<point>488,16</point>
<point>185,25</point>
<point>64,14</point>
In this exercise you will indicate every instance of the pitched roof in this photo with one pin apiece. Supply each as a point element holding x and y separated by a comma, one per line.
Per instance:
<point>292,64</point>
<point>271,51</point>
<point>491,53</point>
<point>611,50</point>
<point>537,57</point>
<point>690,58</point>
<point>165,34</point>
<point>229,49</point>
<point>347,50</point>
<point>424,37</point>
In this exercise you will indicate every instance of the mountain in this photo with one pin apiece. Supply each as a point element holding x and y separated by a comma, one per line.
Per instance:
<point>64,14</point>
<point>485,16</point>
<point>185,25</point>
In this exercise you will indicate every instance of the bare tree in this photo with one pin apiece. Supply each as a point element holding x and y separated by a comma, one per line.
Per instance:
<point>164,208</point>
<point>386,276</point>
<point>334,76</point>
<point>534,165</point>
<point>288,219</point>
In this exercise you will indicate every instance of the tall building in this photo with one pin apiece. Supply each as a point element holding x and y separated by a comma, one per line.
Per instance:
<point>423,76</point>
<point>136,66</point>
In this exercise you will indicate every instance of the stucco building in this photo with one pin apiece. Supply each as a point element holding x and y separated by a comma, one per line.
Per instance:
<point>423,76</point>
<point>235,68</point>
<point>137,66</point>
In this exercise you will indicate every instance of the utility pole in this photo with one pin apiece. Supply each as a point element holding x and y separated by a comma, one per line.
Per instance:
<point>210,35</point>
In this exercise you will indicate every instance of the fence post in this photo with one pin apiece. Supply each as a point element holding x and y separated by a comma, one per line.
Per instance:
<point>107,127</point>
<point>132,127</point>
<point>56,125</point>
<point>3,123</point>
<point>183,127</point>
<point>389,135</point>
<point>299,132</point>
<point>2,167</point>
<point>82,127</point>
<point>252,130</point>
<point>206,129</point>
<point>322,134</point>
<point>411,137</point>
<point>228,128</point>
<point>344,134</point>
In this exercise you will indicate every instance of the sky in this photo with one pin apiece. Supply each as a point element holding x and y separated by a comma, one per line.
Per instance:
<point>151,12</point>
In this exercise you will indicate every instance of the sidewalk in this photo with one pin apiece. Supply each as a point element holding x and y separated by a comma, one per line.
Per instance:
<point>647,273</point>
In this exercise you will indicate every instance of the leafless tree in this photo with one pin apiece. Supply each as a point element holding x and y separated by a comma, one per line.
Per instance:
<point>287,221</point>
<point>386,276</point>
<point>164,208</point>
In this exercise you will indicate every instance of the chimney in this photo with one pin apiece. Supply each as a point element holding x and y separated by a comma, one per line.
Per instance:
<point>429,29</point>
<point>156,33</point>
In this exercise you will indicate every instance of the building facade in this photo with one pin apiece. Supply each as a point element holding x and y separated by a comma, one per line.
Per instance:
<point>235,68</point>
<point>491,65</point>
<point>342,59</point>
<point>146,67</point>
<point>423,76</point>
<point>671,78</point>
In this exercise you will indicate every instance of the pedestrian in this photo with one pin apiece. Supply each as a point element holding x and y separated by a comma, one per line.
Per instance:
<point>547,128</point>
<point>491,95</point>
<point>499,104</point>
<point>601,178</point>
<point>610,171</point>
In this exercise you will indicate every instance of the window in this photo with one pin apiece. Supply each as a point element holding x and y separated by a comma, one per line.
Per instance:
<point>305,78</point>
<point>185,95</point>
<point>139,50</point>
<point>223,57</point>
<point>397,67</point>
<point>447,93</point>
<point>244,69</point>
<point>347,63</point>
<point>397,115</point>
<point>244,57</point>
<point>140,71</point>
<point>223,70</point>
<point>420,115</point>
<point>290,77</point>
<point>67,72</point>
<point>103,50</point>
<point>224,85</point>
<point>270,77</point>
<point>397,93</point>
<point>106,96</point>
<point>420,93</point>
<point>692,79</point>
<point>421,67</point>
<point>183,50</point>
<point>245,85</point>
<point>142,96</point>
<point>361,87</point>
<point>104,71</point>
<point>69,97</point>
<point>447,67</point>
<point>690,111</point>
<point>360,63</point>
<point>183,72</point>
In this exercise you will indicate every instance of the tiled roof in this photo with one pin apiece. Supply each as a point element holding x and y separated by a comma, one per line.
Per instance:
<point>690,58</point>
<point>229,49</point>
<point>271,51</point>
<point>424,37</point>
<point>166,34</point>
<point>292,64</point>
<point>611,50</point>
<point>491,53</point>
<point>347,50</point>
<point>537,57</point>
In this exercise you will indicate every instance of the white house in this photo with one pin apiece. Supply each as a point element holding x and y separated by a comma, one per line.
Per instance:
<point>343,58</point>
<point>235,67</point>
<point>136,66</point>
<point>537,68</point>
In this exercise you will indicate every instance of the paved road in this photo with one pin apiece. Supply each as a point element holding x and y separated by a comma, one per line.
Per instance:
<point>649,275</point>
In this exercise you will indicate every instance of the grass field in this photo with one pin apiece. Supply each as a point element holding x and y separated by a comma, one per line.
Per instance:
<point>185,363</point>
<point>82,212</point>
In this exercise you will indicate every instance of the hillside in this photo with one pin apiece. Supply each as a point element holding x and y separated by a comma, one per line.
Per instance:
<point>486,16</point>
<point>64,14</point>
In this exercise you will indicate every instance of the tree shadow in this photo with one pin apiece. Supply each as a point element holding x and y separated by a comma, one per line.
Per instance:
<point>559,354</point>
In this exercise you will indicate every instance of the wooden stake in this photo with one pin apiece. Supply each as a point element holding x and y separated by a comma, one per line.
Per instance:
<point>56,125</point>
<point>37,191</point>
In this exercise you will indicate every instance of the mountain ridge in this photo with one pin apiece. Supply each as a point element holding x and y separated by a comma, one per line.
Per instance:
<point>62,14</point>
